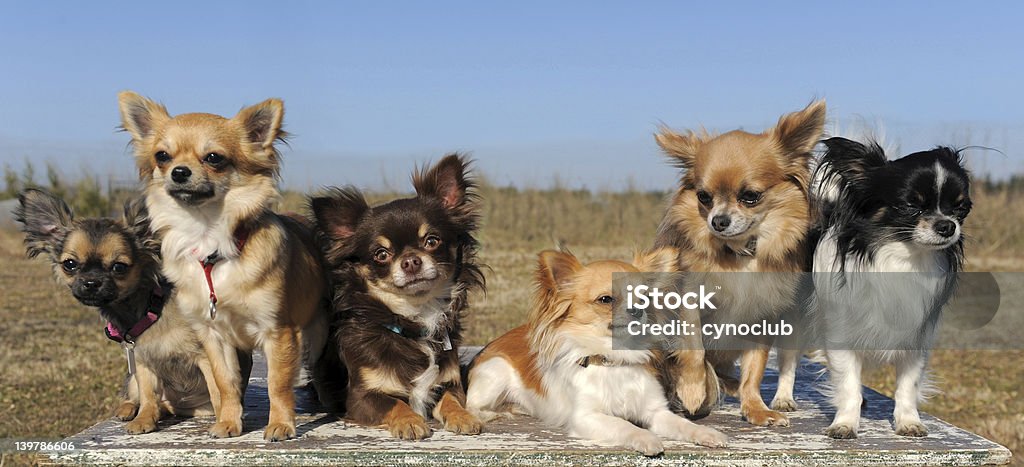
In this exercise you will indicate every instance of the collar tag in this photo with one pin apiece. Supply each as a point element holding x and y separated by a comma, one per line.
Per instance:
<point>129,354</point>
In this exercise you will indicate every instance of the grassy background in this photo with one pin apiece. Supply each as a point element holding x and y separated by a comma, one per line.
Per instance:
<point>61,375</point>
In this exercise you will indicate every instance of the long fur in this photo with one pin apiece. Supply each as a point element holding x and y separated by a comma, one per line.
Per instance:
<point>535,369</point>
<point>719,172</point>
<point>271,293</point>
<point>884,269</point>
<point>394,356</point>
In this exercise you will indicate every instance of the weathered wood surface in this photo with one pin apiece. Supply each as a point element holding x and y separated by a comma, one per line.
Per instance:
<point>326,440</point>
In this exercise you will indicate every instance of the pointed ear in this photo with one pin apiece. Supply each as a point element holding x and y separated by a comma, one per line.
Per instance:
<point>136,220</point>
<point>140,116</point>
<point>664,259</point>
<point>262,122</point>
<point>46,221</point>
<point>555,269</point>
<point>447,180</point>
<point>798,132</point>
<point>682,148</point>
<point>338,213</point>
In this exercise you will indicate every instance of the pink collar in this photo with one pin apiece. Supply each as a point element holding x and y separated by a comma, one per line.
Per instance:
<point>117,336</point>
<point>156,304</point>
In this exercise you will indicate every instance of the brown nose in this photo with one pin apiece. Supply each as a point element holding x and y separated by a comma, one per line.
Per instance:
<point>411,264</point>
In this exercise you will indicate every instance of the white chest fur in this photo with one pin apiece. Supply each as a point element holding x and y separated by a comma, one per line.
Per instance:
<point>885,303</point>
<point>244,309</point>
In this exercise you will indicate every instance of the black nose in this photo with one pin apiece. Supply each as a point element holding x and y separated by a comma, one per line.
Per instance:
<point>720,222</point>
<point>411,264</point>
<point>946,228</point>
<point>180,174</point>
<point>91,285</point>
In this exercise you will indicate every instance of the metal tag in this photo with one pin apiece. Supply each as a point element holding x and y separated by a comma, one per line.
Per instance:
<point>213,310</point>
<point>129,354</point>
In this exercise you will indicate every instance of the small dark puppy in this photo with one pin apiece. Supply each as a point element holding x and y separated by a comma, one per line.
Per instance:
<point>114,265</point>
<point>402,272</point>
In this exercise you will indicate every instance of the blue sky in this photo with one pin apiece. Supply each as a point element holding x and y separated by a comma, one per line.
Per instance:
<point>535,90</point>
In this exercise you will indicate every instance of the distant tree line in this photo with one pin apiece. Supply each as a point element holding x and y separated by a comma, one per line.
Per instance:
<point>84,193</point>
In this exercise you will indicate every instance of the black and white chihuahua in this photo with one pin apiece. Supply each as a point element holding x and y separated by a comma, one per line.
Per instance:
<point>885,265</point>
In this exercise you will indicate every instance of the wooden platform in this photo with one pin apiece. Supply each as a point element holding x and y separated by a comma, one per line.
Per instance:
<point>326,440</point>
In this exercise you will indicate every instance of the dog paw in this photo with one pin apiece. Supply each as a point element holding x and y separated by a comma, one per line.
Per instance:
<point>764,417</point>
<point>226,429</point>
<point>692,396</point>
<point>841,431</point>
<point>140,425</point>
<point>915,429</point>
<point>646,443</point>
<point>279,432</point>
<point>784,404</point>
<point>710,437</point>
<point>410,427</point>
<point>126,411</point>
<point>463,423</point>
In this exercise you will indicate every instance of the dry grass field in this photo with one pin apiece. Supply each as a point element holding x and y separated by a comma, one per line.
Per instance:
<point>60,374</point>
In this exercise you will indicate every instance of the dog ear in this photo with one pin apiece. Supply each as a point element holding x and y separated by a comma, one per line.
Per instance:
<point>139,116</point>
<point>447,180</point>
<point>848,163</point>
<point>136,220</point>
<point>798,132</point>
<point>46,221</point>
<point>262,122</point>
<point>681,147</point>
<point>338,213</point>
<point>665,259</point>
<point>556,269</point>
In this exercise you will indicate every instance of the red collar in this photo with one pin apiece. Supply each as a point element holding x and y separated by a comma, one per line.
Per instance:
<point>241,236</point>
<point>156,305</point>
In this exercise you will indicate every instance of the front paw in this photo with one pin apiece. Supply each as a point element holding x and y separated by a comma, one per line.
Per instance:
<point>126,411</point>
<point>915,429</point>
<point>692,396</point>
<point>279,432</point>
<point>784,404</point>
<point>463,423</point>
<point>140,425</point>
<point>710,437</point>
<point>765,417</point>
<point>411,426</point>
<point>645,442</point>
<point>841,431</point>
<point>226,429</point>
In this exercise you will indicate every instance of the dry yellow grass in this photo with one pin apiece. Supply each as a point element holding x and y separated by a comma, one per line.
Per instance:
<point>61,375</point>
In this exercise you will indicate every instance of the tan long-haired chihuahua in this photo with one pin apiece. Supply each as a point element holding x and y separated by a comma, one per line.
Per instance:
<point>246,277</point>
<point>742,206</point>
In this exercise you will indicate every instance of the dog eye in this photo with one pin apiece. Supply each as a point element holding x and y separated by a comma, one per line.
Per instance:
<point>704,197</point>
<point>119,268</point>
<point>963,207</point>
<point>750,198</point>
<point>432,242</point>
<point>382,255</point>
<point>162,157</point>
<point>213,159</point>
<point>70,265</point>
<point>606,299</point>
<point>912,209</point>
